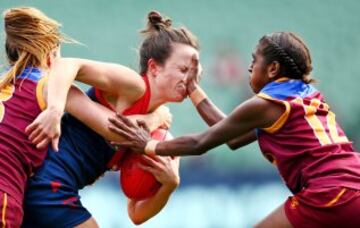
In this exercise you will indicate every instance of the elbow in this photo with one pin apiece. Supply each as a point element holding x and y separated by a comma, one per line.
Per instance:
<point>137,220</point>
<point>232,146</point>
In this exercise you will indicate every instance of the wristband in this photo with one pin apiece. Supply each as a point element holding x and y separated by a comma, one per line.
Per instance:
<point>197,96</point>
<point>150,147</point>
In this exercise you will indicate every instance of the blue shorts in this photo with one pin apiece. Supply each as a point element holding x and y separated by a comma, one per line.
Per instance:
<point>50,203</point>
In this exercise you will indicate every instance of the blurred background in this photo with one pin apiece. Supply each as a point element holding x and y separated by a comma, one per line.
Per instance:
<point>223,188</point>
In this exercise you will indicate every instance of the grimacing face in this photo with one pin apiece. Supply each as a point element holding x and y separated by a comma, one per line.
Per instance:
<point>173,74</point>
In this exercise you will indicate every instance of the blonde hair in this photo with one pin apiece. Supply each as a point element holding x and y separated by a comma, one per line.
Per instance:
<point>30,37</point>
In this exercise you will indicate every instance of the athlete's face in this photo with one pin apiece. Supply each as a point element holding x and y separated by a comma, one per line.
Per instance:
<point>172,75</point>
<point>258,72</point>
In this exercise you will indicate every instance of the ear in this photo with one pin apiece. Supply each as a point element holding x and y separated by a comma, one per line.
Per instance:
<point>49,60</point>
<point>52,56</point>
<point>153,67</point>
<point>273,69</point>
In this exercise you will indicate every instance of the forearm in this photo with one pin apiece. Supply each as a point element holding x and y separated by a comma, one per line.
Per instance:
<point>184,145</point>
<point>209,112</point>
<point>61,77</point>
<point>141,211</point>
<point>212,115</point>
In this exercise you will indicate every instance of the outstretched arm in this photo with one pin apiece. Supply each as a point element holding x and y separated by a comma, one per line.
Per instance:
<point>166,171</point>
<point>212,115</point>
<point>253,113</point>
<point>208,111</point>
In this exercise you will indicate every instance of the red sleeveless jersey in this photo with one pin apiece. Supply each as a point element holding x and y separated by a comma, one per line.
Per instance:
<point>306,144</point>
<point>139,107</point>
<point>19,106</point>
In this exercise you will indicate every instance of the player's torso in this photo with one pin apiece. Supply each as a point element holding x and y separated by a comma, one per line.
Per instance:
<point>20,103</point>
<point>308,144</point>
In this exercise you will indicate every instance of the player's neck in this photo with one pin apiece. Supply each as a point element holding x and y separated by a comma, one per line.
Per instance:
<point>156,98</point>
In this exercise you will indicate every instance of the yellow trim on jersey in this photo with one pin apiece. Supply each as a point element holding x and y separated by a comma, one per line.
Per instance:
<point>3,219</point>
<point>283,79</point>
<point>333,131</point>
<point>282,119</point>
<point>313,121</point>
<point>39,93</point>
<point>333,201</point>
<point>5,94</point>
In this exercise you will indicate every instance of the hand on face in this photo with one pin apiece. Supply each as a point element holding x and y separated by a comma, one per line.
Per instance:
<point>136,135</point>
<point>194,74</point>
<point>164,169</point>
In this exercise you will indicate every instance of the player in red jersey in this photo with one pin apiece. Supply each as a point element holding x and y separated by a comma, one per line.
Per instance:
<point>296,131</point>
<point>165,54</point>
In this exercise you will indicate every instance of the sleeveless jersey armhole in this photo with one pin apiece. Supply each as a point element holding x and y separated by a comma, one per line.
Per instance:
<point>282,119</point>
<point>39,93</point>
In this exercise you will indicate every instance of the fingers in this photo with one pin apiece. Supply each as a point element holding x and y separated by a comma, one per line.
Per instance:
<point>149,169</point>
<point>122,144</point>
<point>30,128</point>
<point>34,133</point>
<point>125,120</point>
<point>149,161</point>
<point>43,143</point>
<point>118,128</point>
<point>39,138</point>
<point>142,124</point>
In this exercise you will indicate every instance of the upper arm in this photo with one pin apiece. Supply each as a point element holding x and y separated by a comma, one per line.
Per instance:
<point>242,140</point>
<point>111,78</point>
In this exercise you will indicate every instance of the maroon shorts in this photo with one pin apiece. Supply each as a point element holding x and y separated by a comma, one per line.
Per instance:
<point>326,207</point>
<point>11,212</point>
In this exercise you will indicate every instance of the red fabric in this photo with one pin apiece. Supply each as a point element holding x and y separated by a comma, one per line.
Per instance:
<point>326,207</point>
<point>139,107</point>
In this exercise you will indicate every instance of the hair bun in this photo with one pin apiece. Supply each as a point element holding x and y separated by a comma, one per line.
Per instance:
<point>155,17</point>
<point>157,21</point>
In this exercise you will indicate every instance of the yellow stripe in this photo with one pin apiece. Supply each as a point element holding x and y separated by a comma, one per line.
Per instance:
<point>282,119</point>
<point>333,131</point>
<point>333,201</point>
<point>313,121</point>
<point>316,125</point>
<point>283,79</point>
<point>7,92</point>
<point>2,111</point>
<point>39,93</point>
<point>4,211</point>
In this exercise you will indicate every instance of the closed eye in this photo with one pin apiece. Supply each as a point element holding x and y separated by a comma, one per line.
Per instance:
<point>184,69</point>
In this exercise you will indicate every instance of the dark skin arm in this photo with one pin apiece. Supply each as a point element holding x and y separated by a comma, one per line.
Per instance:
<point>209,112</point>
<point>251,114</point>
<point>212,115</point>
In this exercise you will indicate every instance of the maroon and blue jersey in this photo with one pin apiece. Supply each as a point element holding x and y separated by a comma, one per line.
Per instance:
<point>20,104</point>
<point>306,143</point>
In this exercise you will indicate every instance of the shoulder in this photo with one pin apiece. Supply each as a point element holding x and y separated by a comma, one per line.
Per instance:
<point>264,112</point>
